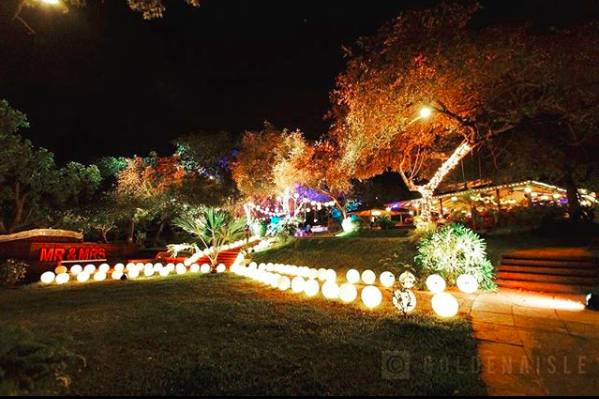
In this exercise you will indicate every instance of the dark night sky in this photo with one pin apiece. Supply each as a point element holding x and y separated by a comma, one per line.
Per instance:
<point>101,80</point>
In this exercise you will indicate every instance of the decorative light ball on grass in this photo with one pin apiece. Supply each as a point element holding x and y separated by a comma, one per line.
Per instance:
<point>205,268</point>
<point>387,279</point>
<point>284,283</point>
<point>221,268</point>
<point>330,289</point>
<point>180,268</point>
<point>407,280</point>
<point>47,277</point>
<point>311,288</point>
<point>89,269</point>
<point>353,276</point>
<point>348,292</point>
<point>331,275</point>
<point>170,267</point>
<point>297,284</point>
<point>62,278</point>
<point>371,296</point>
<point>445,304</point>
<point>254,265</point>
<point>119,267</point>
<point>194,268</point>
<point>368,277</point>
<point>313,274</point>
<point>116,274</point>
<point>133,274</point>
<point>129,267</point>
<point>435,283</point>
<point>83,277</point>
<point>404,300</point>
<point>104,268</point>
<point>322,274</point>
<point>100,276</point>
<point>76,269</point>
<point>148,270</point>
<point>187,262</point>
<point>163,272</point>
<point>60,269</point>
<point>158,267</point>
<point>467,283</point>
<point>273,280</point>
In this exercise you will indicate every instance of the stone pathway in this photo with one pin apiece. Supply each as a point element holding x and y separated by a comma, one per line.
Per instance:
<point>535,344</point>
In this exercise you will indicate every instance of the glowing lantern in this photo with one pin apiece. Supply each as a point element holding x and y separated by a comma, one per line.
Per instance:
<point>368,277</point>
<point>331,275</point>
<point>322,274</point>
<point>311,288</point>
<point>133,274</point>
<point>297,284</point>
<point>119,267</point>
<point>404,300</point>
<point>313,274</point>
<point>435,283</point>
<point>407,280</point>
<point>194,268</point>
<point>348,292</point>
<point>221,268</point>
<point>100,276</point>
<point>284,283</point>
<point>62,278</point>
<point>371,296</point>
<point>273,280</point>
<point>467,283</point>
<point>205,268</point>
<point>163,272</point>
<point>76,269</point>
<point>445,305</point>
<point>47,277</point>
<point>129,267</point>
<point>254,265</point>
<point>60,269</point>
<point>330,290</point>
<point>116,274</point>
<point>353,276</point>
<point>387,279</point>
<point>104,268</point>
<point>180,268</point>
<point>187,262</point>
<point>158,267</point>
<point>148,270</point>
<point>83,277</point>
<point>89,269</point>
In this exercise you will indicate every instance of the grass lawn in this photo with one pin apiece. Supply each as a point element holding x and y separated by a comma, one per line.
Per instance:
<point>223,334</point>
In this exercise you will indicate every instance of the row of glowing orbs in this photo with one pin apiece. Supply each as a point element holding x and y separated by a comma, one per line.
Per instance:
<point>307,282</point>
<point>444,304</point>
<point>62,274</point>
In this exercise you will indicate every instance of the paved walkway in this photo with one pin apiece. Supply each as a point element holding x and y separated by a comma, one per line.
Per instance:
<point>535,344</point>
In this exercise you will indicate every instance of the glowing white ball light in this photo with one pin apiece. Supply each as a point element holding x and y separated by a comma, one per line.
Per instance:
<point>371,296</point>
<point>83,277</point>
<point>467,283</point>
<point>89,269</point>
<point>47,277</point>
<point>194,268</point>
<point>148,270</point>
<point>180,268</point>
<point>404,300</point>
<point>407,280</point>
<point>119,267</point>
<point>348,292</point>
<point>368,277</point>
<point>62,278</point>
<point>435,283</point>
<point>297,284</point>
<point>387,279</point>
<point>284,283</point>
<point>353,276</point>
<point>445,305</point>
<point>311,288</point>
<point>104,268</point>
<point>76,269</point>
<point>100,276</point>
<point>116,274</point>
<point>205,268</point>
<point>221,268</point>
<point>330,290</point>
<point>60,269</point>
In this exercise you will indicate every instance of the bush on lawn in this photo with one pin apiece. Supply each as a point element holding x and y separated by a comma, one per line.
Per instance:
<point>28,366</point>
<point>454,250</point>
<point>423,229</point>
<point>12,272</point>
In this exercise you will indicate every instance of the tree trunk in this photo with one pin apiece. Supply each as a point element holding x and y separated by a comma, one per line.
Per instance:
<point>104,234</point>
<point>157,236</point>
<point>131,231</point>
<point>574,208</point>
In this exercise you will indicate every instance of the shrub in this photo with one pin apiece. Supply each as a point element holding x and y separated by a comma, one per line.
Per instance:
<point>12,272</point>
<point>422,230</point>
<point>30,366</point>
<point>454,250</point>
<point>385,223</point>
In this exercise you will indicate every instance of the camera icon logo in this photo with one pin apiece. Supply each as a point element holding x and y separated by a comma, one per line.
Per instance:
<point>395,365</point>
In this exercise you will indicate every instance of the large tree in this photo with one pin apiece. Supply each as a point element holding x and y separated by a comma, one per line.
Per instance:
<point>428,88</point>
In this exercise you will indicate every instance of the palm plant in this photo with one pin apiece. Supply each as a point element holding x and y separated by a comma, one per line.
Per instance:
<point>214,228</point>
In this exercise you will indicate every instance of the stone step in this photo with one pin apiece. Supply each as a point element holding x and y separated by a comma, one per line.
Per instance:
<point>544,287</point>
<point>586,264</point>
<point>547,278</point>
<point>565,271</point>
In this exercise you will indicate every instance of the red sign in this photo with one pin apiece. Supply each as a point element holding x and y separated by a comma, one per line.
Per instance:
<point>70,252</point>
